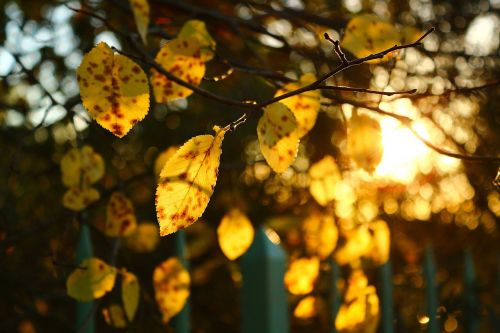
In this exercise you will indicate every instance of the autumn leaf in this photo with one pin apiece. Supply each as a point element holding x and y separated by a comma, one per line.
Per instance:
<point>364,141</point>
<point>323,176</point>
<point>163,157</point>
<point>171,283</point>
<point>381,242</point>
<point>114,316</point>
<point>357,244</point>
<point>120,220</point>
<point>305,106</point>
<point>144,238</point>
<point>81,166</point>
<point>196,29</point>
<point>307,308</point>
<point>113,88</point>
<point>92,279</point>
<point>278,138</point>
<point>77,199</point>
<point>235,233</point>
<point>320,234</point>
<point>130,294</point>
<point>180,57</point>
<point>187,182</point>
<point>140,8</point>
<point>301,275</point>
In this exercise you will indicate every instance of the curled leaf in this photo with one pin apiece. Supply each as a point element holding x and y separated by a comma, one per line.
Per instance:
<point>121,220</point>
<point>235,233</point>
<point>130,294</point>
<point>364,141</point>
<point>114,89</point>
<point>301,275</point>
<point>187,182</point>
<point>323,176</point>
<point>92,279</point>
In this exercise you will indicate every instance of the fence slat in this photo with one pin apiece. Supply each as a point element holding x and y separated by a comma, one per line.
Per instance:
<point>85,321</point>
<point>431,290</point>
<point>386,297</point>
<point>470,299</point>
<point>181,321</point>
<point>264,301</point>
<point>334,298</point>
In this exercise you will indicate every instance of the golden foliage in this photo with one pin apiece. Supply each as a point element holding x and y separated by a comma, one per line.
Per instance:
<point>81,166</point>
<point>364,141</point>
<point>121,220</point>
<point>130,294</point>
<point>235,234</point>
<point>197,30</point>
<point>140,8</point>
<point>320,234</point>
<point>381,242</point>
<point>357,244</point>
<point>144,238</point>
<point>92,279</point>
<point>163,157</point>
<point>323,176</point>
<point>307,308</point>
<point>301,275</point>
<point>114,316</point>
<point>77,199</point>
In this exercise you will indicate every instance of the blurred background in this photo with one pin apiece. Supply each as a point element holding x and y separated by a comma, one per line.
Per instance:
<point>428,200</point>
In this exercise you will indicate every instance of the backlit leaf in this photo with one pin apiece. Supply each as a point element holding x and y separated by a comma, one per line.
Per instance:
<point>278,138</point>
<point>323,176</point>
<point>235,233</point>
<point>364,141</point>
<point>357,244</point>
<point>381,242</point>
<point>180,57</point>
<point>92,279</point>
<point>140,8</point>
<point>144,238</point>
<point>114,316</point>
<point>163,157</point>
<point>171,283</point>
<point>307,308</point>
<point>81,166</point>
<point>301,275</point>
<point>196,29</point>
<point>320,234</point>
<point>367,33</point>
<point>114,89</point>
<point>187,182</point>
<point>77,199</point>
<point>130,294</point>
<point>304,106</point>
<point>120,220</point>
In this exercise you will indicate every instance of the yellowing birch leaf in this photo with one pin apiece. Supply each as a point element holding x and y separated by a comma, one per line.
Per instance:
<point>364,141</point>
<point>187,182</point>
<point>320,235</point>
<point>235,233</point>
<point>114,316</point>
<point>307,308</point>
<point>163,157</point>
<point>180,57</point>
<point>301,275</point>
<point>120,220</point>
<point>304,106</point>
<point>410,34</point>
<point>358,244</point>
<point>144,238</point>
<point>140,8</point>
<point>81,167</point>
<point>77,199</point>
<point>367,33</point>
<point>130,294</point>
<point>91,280</point>
<point>323,176</point>
<point>114,89</point>
<point>381,242</point>
<point>196,29</point>
<point>360,310</point>
<point>278,138</point>
<point>171,283</point>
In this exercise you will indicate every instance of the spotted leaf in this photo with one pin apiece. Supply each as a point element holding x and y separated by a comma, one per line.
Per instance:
<point>364,141</point>
<point>187,182</point>
<point>180,57</point>
<point>235,233</point>
<point>320,235</point>
<point>113,88</point>
<point>304,106</point>
<point>301,275</point>
<point>278,138</point>
<point>81,166</point>
<point>196,29</point>
<point>171,283</point>
<point>130,294</point>
<point>92,279</point>
<point>144,238</point>
<point>140,8</point>
<point>120,220</point>
<point>323,176</point>
<point>77,199</point>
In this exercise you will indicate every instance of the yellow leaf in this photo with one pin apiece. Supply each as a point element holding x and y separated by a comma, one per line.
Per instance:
<point>367,33</point>
<point>364,141</point>
<point>307,308</point>
<point>91,280</point>
<point>358,244</point>
<point>323,175</point>
<point>114,316</point>
<point>410,34</point>
<point>278,138</point>
<point>381,242</point>
<point>304,106</point>
<point>77,199</point>
<point>140,8</point>
<point>301,275</point>
<point>235,233</point>
<point>195,29</point>
<point>163,157</point>
<point>180,57</point>
<point>81,167</point>
<point>120,220</point>
<point>130,294</point>
<point>320,235</point>
<point>360,310</point>
<point>171,283</point>
<point>144,238</point>
<point>187,182</point>
<point>114,89</point>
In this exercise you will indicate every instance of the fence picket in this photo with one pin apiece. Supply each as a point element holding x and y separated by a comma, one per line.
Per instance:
<point>431,290</point>
<point>181,321</point>
<point>85,321</point>
<point>386,297</point>
<point>470,298</point>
